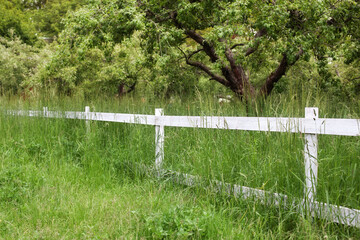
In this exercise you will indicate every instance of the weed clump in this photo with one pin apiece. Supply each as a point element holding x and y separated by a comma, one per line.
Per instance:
<point>178,222</point>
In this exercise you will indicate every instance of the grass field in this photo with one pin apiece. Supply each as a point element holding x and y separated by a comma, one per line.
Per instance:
<point>58,182</point>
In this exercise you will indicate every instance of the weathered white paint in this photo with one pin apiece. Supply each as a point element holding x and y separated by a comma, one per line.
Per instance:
<point>330,212</point>
<point>46,111</point>
<point>123,118</point>
<point>87,117</point>
<point>338,214</point>
<point>344,127</point>
<point>333,126</point>
<point>311,163</point>
<point>328,126</point>
<point>159,139</point>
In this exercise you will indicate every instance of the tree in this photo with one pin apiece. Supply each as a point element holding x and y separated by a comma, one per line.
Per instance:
<point>18,63</point>
<point>338,63</point>
<point>245,45</point>
<point>13,17</point>
<point>346,20</point>
<point>93,54</point>
<point>47,15</point>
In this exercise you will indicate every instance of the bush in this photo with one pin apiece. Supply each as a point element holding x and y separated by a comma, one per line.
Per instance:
<point>178,222</point>
<point>18,64</point>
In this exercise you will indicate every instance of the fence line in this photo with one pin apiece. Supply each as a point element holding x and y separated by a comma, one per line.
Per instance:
<point>310,126</point>
<point>327,126</point>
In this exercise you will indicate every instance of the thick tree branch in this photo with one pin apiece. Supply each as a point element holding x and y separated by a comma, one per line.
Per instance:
<point>234,80</point>
<point>237,45</point>
<point>131,88</point>
<point>236,69</point>
<point>122,91</point>
<point>208,49</point>
<point>206,69</point>
<point>242,80</point>
<point>278,73</point>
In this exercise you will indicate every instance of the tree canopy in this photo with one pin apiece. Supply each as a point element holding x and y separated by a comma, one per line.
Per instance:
<point>48,14</point>
<point>31,18</point>
<point>14,17</point>
<point>90,52</point>
<point>247,45</point>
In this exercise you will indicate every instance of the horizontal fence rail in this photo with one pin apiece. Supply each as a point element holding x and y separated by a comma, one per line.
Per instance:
<point>326,126</point>
<point>310,126</point>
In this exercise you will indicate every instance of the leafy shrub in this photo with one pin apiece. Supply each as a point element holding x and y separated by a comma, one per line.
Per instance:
<point>179,222</point>
<point>18,64</point>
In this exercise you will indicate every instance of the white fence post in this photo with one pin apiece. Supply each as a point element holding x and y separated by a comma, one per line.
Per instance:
<point>87,117</point>
<point>45,110</point>
<point>159,139</point>
<point>311,163</point>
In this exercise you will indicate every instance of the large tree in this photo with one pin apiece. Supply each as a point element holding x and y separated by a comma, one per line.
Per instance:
<point>94,53</point>
<point>245,45</point>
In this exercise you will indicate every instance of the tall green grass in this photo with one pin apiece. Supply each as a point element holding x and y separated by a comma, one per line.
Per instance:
<point>58,181</point>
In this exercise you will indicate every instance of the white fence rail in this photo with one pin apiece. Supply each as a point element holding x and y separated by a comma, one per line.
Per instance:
<point>311,126</point>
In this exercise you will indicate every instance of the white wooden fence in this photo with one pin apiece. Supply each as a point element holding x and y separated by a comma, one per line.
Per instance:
<point>311,126</point>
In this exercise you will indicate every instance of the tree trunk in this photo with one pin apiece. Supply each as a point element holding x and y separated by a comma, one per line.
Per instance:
<point>121,90</point>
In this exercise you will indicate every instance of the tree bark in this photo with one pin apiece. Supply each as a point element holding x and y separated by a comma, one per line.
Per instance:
<point>233,74</point>
<point>122,91</point>
<point>276,75</point>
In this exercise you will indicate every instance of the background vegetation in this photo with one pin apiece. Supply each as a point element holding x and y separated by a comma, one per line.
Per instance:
<point>110,48</point>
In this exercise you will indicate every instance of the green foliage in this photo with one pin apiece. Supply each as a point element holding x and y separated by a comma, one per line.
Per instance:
<point>13,188</point>
<point>13,16</point>
<point>178,222</point>
<point>346,18</point>
<point>169,76</point>
<point>32,18</point>
<point>17,184</point>
<point>224,20</point>
<point>94,54</point>
<point>48,15</point>
<point>317,28</point>
<point>33,4</point>
<point>110,46</point>
<point>18,63</point>
<point>100,23</point>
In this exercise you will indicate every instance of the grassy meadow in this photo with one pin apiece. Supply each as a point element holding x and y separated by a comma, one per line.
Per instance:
<point>59,182</point>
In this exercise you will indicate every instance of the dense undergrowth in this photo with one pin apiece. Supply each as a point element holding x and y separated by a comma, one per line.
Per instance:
<point>58,181</point>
